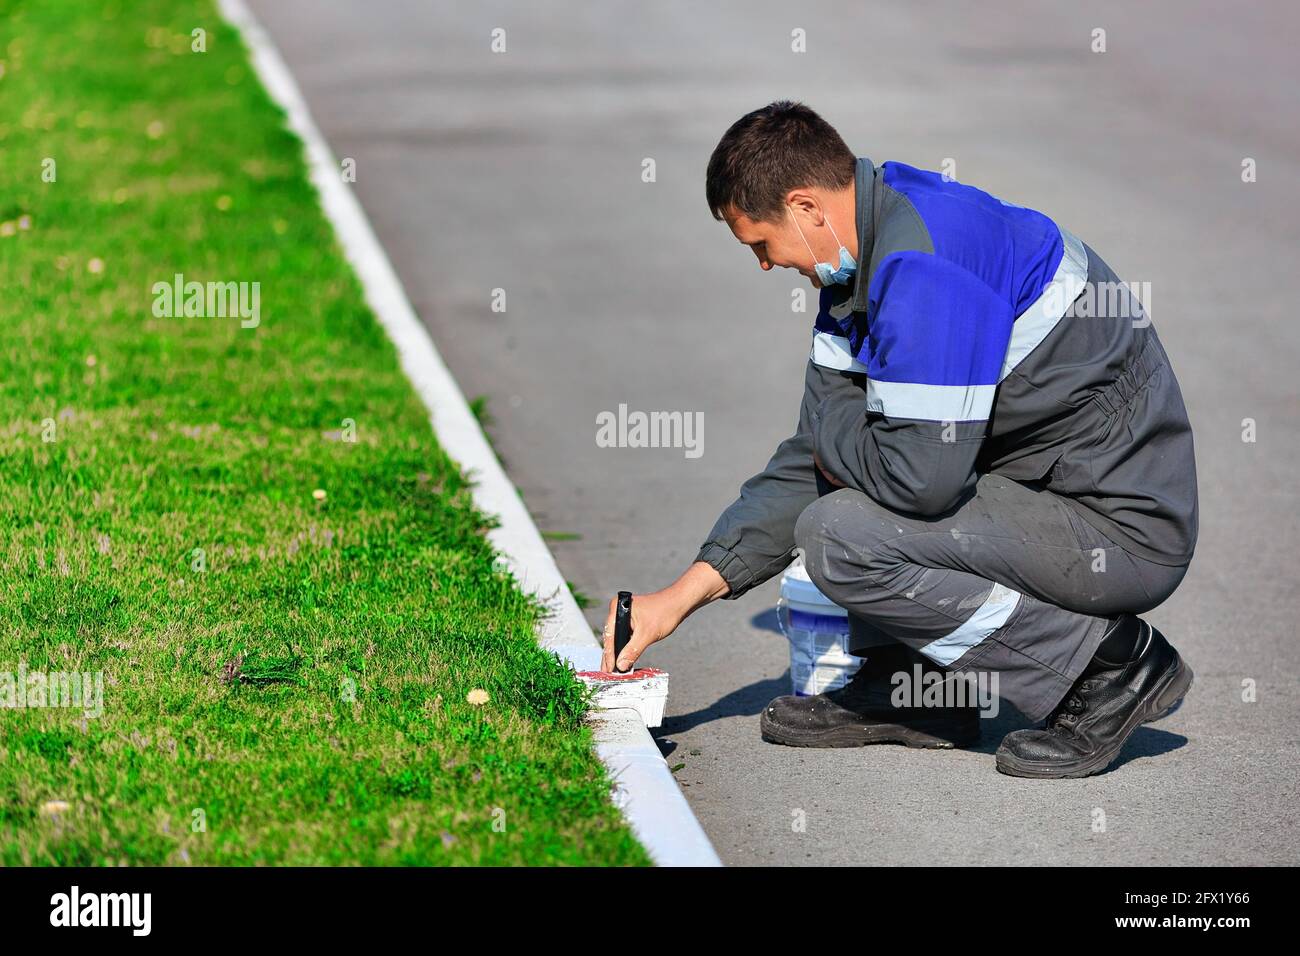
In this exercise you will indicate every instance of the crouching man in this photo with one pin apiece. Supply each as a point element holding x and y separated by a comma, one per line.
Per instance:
<point>993,467</point>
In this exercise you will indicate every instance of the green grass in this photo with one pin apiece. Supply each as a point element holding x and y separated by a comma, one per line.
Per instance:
<point>286,676</point>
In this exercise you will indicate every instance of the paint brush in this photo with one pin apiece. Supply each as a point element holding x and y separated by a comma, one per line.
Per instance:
<point>622,626</point>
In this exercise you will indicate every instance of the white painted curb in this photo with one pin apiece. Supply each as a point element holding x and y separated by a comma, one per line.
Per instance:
<point>646,793</point>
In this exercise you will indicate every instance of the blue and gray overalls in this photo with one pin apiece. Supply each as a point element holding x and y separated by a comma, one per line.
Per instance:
<point>1017,457</point>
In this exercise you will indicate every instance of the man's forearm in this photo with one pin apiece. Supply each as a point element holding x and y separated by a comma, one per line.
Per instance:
<point>700,584</point>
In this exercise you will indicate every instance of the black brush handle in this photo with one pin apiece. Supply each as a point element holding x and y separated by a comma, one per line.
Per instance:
<point>622,625</point>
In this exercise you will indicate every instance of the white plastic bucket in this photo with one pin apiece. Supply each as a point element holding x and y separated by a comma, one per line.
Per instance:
<point>818,632</point>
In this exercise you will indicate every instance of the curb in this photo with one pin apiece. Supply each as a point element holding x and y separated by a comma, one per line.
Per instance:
<point>645,791</point>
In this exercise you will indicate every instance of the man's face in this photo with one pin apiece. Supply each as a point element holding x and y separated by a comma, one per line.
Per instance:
<point>776,243</point>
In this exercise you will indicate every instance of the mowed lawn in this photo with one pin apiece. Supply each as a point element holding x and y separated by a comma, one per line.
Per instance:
<point>248,529</point>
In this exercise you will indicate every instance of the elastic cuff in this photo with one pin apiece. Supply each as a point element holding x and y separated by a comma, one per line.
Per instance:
<point>728,564</point>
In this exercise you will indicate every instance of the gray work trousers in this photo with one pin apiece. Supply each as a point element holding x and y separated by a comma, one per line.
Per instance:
<point>1012,581</point>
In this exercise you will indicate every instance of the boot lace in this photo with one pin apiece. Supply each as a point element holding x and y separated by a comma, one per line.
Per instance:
<point>1071,708</point>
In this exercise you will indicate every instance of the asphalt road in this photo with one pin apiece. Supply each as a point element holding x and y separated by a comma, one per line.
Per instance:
<point>522,171</point>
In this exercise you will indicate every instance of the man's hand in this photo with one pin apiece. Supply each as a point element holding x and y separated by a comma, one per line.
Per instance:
<point>656,615</point>
<point>826,474</point>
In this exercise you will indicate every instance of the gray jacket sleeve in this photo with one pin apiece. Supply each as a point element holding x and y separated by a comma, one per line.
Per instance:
<point>753,539</point>
<point>917,467</point>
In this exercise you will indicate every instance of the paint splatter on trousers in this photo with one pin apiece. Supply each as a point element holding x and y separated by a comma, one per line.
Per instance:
<point>1012,581</point>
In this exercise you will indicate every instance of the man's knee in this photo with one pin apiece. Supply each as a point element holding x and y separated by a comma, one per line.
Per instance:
<point>840,537</point>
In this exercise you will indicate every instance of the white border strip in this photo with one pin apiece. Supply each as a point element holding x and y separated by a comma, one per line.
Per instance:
<point>647,793</point>
<point>1036,322</point>
<point>988,617</point>
<point>933,403</point>
<point>832,351</point>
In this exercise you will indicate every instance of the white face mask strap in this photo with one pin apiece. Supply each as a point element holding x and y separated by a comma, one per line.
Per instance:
<point>832,229</point>
<point>801,235</point>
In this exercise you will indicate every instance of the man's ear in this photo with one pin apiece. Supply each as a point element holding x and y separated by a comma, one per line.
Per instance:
<point>805,204</point>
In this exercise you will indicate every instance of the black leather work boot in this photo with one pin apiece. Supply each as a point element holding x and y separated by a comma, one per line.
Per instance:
<point>861,712</point>
<point>1085,732</point>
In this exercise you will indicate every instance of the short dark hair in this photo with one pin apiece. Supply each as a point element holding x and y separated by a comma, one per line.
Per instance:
<point>770,151</point>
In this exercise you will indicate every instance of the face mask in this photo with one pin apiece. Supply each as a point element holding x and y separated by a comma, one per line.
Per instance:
<point>827,273</point>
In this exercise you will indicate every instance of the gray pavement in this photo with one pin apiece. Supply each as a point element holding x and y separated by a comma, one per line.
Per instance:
<point>522,171</point>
